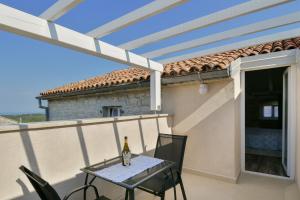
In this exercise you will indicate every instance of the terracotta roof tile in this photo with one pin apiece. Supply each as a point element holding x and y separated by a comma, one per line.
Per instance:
<point>199,64</point>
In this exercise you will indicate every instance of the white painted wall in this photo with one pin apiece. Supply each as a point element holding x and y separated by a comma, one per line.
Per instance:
<point>57,150</point>
<point>298,128</point>
<point>204,118</point>
<point>210,122</point>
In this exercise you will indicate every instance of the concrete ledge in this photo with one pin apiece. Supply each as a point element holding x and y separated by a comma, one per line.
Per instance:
<point>75,122</point>
<point>210,175</point>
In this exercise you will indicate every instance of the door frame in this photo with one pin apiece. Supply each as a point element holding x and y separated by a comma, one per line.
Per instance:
<point>284,123</point>
<point>292,67</point>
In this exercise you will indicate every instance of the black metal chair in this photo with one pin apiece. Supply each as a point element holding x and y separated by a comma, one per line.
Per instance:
<point>168,147</point>
<point>47,192</point>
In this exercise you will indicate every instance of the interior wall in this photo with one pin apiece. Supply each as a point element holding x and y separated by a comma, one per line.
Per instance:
<point>209,122</point>
<point>58,150</point>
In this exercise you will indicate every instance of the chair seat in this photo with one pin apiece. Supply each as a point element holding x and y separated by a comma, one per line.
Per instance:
<point>159,183</point>
<point>103,198</point>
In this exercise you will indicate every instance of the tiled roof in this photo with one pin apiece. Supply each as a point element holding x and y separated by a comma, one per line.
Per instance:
<point>185,67</point>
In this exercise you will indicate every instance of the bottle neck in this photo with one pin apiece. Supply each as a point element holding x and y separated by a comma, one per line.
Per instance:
<point>126,147</point>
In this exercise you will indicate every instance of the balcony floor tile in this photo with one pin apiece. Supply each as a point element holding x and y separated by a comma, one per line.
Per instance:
<point>249,187</point>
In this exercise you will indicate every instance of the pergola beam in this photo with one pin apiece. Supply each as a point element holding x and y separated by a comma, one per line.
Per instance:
<point>58,9</point>
<point>137,15</point>
<point>220,16</point>
<point>155,90</point>
<point>244,30</point>
<point>21,23</point>
<point>237,45</point>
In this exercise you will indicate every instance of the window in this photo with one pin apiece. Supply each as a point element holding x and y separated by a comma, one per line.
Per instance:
<point>270,112</point>
<point>275,110</point>
<point>111,111</point>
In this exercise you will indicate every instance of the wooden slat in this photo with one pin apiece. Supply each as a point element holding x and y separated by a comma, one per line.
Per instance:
<point>58,9</point>
<point>237,45</point>
<point>244,30</point>
<point>21,23</point>
<point>220,16</point>
<point>137,15</point>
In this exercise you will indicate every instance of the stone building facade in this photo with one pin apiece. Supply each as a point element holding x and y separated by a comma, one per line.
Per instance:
<point>133,102</point>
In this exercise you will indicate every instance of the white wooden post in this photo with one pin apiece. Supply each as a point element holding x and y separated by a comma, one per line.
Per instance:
<point>155,91</point>
<point>236,76</point>
<point>298,57</point>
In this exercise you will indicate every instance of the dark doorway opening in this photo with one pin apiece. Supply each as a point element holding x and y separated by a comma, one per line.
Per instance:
<point>263,121</point>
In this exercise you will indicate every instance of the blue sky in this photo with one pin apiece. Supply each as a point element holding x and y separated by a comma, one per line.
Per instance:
<point>29,67</point>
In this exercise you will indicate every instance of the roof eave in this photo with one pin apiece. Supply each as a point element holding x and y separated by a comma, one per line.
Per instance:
<point>210,75</point>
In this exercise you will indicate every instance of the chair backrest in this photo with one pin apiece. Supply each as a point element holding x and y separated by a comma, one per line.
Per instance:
<point>171,147</point>
<point>44,190</point>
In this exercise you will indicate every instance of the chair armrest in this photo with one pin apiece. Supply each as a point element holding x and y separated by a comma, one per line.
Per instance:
<point>82,188</point>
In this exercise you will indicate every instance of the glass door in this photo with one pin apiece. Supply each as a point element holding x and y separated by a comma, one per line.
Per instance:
<point>285,124</point>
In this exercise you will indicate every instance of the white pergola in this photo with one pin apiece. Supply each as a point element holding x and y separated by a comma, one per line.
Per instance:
<point>44,28</point>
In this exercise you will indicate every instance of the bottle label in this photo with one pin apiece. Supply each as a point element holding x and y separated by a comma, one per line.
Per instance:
<point>126,158</point>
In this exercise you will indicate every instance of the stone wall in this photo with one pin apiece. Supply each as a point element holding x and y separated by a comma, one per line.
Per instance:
<point>132,103</point>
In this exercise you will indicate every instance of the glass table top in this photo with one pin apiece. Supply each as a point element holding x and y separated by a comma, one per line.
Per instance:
<point>135,180</point>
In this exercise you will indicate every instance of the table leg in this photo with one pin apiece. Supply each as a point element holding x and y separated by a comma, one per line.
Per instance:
<point>91,181</point>
<point>131,194</point>
<point>174,185</point>
<point>85,183</point>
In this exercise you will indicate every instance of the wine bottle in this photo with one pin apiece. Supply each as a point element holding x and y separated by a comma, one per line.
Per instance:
<point>126,154</point>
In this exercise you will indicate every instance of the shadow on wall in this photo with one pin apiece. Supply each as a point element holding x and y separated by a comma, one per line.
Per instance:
<point>142,136</point>
<point>207,108</point>
<point>117,136</point>
<point>212,140</point>
<point>78,179</point>
<point>23,186</point>
<point>82,143</point>
<point>29,149</point>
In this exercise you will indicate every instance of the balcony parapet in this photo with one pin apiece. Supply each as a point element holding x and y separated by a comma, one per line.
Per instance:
<point>75,122</point>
